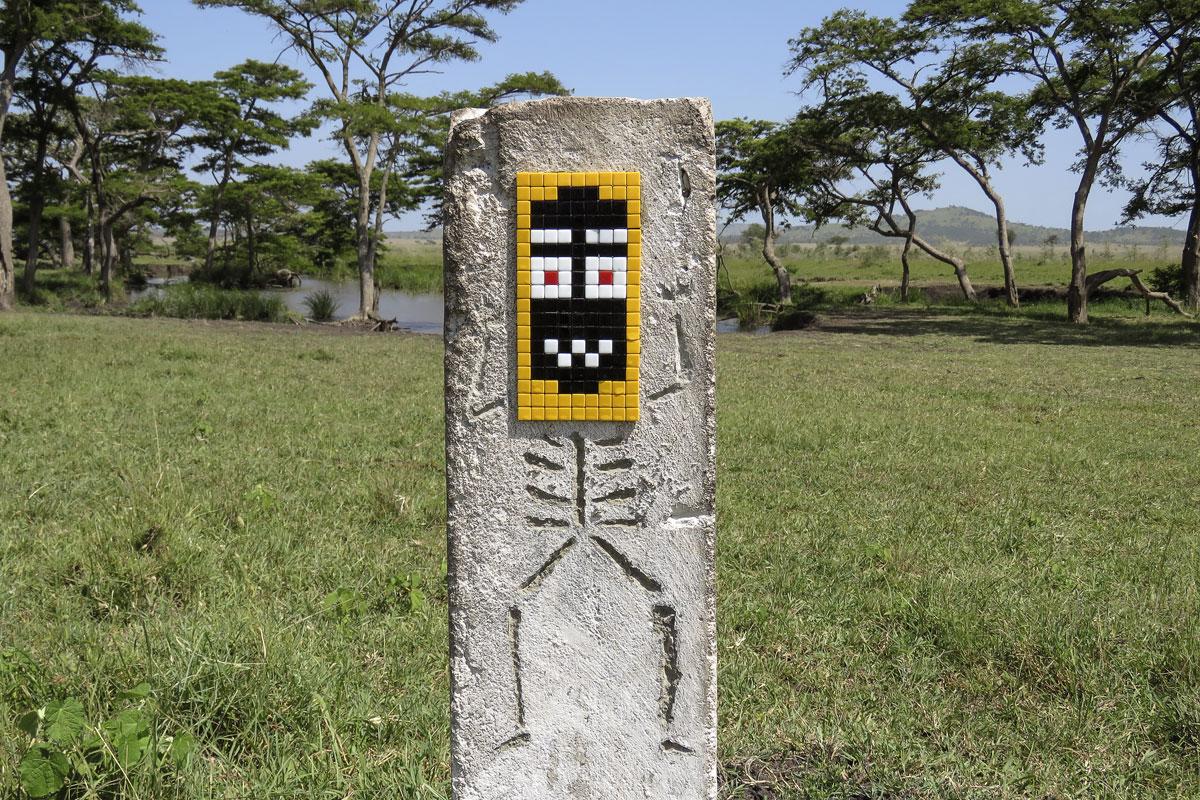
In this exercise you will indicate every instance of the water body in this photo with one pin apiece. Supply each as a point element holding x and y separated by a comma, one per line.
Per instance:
<point>417,312</point>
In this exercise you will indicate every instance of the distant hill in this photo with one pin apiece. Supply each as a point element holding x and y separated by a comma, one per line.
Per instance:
<point>949,224</point>
<point>967,226</point>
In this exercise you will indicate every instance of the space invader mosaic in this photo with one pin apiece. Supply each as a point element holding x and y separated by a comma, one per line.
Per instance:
<point>579,262</point>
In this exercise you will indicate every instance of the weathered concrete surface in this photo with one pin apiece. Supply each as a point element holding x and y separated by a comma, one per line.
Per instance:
<point>582,620</point>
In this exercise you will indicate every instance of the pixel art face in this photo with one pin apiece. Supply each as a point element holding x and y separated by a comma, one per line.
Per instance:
<point>578,295</point>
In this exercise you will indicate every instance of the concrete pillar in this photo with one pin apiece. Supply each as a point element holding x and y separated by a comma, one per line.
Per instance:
<point>580,243</point>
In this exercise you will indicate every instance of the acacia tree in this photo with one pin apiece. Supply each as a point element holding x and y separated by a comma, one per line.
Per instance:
<point>871,168</point>
<point>942,85</point>
<point>135,132</point>
<point>759,171</point>
<point>245,126</point>
<point>57,66</point>
<point>1171,185</point>
<point>1094,65</point>
<point>363,50</point>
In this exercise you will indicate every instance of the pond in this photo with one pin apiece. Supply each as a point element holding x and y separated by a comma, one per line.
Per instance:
<point>416,312</point>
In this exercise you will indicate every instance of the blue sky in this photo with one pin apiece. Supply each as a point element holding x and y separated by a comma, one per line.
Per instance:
<point>732,53</point>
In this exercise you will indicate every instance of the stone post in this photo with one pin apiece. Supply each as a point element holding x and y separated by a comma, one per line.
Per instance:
<point>580,241</point>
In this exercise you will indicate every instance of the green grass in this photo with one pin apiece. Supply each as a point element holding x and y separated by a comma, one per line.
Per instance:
<point>411,265</point>
<point>958,555</point>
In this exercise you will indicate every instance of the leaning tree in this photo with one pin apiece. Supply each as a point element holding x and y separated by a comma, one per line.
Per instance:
<point>944,86</point>
<point>1096,67</point>
<point>758,172</point>
<point>871,168</point>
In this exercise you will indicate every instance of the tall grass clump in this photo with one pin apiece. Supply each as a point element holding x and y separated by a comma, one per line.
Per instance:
<point>321,305</point>
<point>209,302</point>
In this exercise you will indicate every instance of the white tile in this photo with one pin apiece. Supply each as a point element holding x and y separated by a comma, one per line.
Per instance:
<point>537,277</point>
<point>564,263</point>
<point>564,359</point>
<point>537,292</point>
<point>621,236</point>
<point>550,236</point>
<point>564,235</point>
<point>591,292</point>
<point>591,276</point>
<point>552,345</point>
<point>606,292</point>
<point>619,278</point>
<point>537,236</point>
<point>620,263</point>
<point>591,262</point>
<point>592,236</point>
<point>564,277</point>
<point>605,346</point>
<point>537,262</point>
<point>578,345</point>
<point>591,360</point>
<point>551,292</point>
<point>606,262</point>
<point>606,236</point>
<point>618,292</point>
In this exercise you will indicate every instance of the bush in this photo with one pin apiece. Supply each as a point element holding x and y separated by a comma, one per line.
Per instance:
<point>321,305</point>
<point>1168,279</point>
<point>207,302</point>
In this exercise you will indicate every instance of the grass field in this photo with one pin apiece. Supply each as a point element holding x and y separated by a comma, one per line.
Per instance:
<point>959,557</point>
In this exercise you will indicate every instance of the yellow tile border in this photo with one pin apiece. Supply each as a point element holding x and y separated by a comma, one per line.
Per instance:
<point>539,400</point>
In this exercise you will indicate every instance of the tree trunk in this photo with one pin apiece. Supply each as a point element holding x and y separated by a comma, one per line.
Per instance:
<point>8,295</point>
<point>107,257</point>
<point>782,276</point>
<point>980,174</point>
<point>126,251</point>
<point>368,297</point>
<point>1190,263</point>
<point>214,220</point>
<point>66,243</point>
<point>1077,291</point>
<point>8,274</point>
<point>29,279</point>
<point>89,238</point>
<point>960,269</point>
<point>894,230</point>
<point>904,265</point>
<point>1006,260</point>
<point>251,251</point>
<point>211,250</point>
<point>37,205</point>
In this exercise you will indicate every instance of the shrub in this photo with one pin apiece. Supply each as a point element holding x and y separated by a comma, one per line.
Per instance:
<point>321,305</point>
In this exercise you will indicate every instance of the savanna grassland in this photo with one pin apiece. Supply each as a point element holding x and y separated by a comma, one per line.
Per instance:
<point>958,558</point>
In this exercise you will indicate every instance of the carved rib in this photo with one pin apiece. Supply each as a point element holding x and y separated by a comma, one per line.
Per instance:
<point>626,493</point>
<point>542,494</point>
<point>547,522</point>
<point>534,460</point>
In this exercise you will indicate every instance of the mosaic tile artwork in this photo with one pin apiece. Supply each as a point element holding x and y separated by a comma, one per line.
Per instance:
<point>579,262</point>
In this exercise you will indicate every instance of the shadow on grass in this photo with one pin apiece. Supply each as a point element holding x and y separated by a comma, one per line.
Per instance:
<point>1005,327</point>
